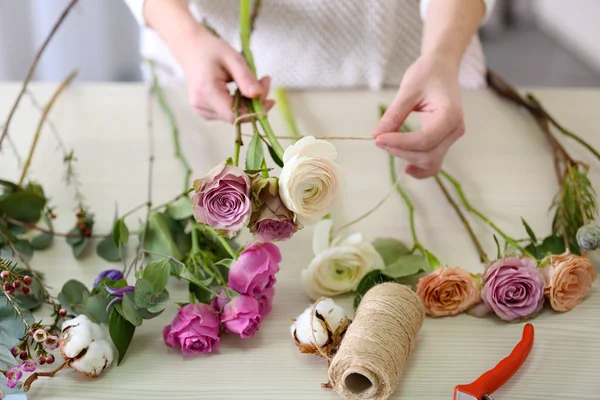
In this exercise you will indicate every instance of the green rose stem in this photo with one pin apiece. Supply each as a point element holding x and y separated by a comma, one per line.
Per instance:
<point>33,66</point>
<point>175,129</point>
<point>238,128</point>
<point>286,110</point>
<point>38,131</point>
<point>482,255</point>
<point>432,260</point>
<point>245,30</point>
<point>461,194</point>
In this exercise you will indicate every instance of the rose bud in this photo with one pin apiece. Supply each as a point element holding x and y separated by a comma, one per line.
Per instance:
<point>329,324</point>
<point>85,346</point>
<point>194,330</point>
<point>569,280</point>
<point>588,237</point>
<point>242,316</point>
<point>254,271</point>
<point>448,291</point>
<point>271,221</point>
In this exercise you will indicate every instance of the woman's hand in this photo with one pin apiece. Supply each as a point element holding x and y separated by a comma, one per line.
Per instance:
<point>209,63</point>
<point>430,87</point>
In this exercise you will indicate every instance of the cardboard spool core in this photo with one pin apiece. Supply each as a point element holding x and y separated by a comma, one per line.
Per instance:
<point>360,384</point>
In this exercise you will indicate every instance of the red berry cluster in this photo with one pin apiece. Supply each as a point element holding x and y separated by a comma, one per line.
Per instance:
<point>82,223</point>
<point>14,282</point>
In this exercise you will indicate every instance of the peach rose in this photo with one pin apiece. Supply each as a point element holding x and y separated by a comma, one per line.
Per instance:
<point>448,291</point>
<point>569,278</point>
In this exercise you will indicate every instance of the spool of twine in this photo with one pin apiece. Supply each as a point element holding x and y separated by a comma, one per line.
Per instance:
<point>371,358</point>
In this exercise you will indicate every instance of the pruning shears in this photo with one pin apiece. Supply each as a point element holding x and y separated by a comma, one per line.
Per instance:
<point>488,383</point>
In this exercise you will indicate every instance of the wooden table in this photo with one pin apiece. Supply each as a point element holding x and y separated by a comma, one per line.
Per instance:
<point>503,162</point>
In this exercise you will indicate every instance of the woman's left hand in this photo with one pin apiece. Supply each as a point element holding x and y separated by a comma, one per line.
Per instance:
<point>430,87</point>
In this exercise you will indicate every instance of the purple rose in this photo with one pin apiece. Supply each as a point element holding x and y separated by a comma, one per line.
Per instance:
<point>271,221</point>
<point>218,303</point>
<point>242,316</point>
<point>222,199</point>
<point>112,274</point>
<point>514,288</point>
<point>194,330</point>
<point>254,271</point>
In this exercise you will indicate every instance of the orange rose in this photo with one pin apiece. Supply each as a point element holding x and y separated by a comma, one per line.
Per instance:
<point>569,279</point>
<point>448,291</point>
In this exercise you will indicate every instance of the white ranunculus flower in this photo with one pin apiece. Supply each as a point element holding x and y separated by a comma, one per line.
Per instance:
<point>310,181</point>
<point>81,334</point>
<point>339,266</point>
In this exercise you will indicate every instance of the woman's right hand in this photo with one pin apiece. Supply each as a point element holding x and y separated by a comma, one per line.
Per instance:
<point>209,63</point>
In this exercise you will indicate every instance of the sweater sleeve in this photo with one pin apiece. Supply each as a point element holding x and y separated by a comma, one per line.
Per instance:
<point>489,7</point>
<point>137,9</point>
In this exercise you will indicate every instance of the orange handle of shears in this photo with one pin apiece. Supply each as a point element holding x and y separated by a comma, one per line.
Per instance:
<point>492,380</point>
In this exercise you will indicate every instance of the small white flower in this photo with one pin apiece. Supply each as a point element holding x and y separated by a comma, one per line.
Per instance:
<point>86,346</point>
<point>339,266</point>
<point>39,335</point>
<point>310,181</point>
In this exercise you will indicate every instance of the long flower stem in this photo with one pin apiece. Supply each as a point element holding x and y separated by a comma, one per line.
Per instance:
<point>17,309</point>
<point>482,255</point>
<point>286,110</point>
<point>407,201</point>
<point>33,377</point>
<point>38,131</point>
<point>473,210</point>
<point>245,31</point>
<point>50,231</point>
<point>162,100</point>
<point>33,66</point>
<point>238,128</point>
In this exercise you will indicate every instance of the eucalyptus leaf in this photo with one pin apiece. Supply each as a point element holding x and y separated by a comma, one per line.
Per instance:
<point>17,390</point>
<point>255,153</point>
<point>143,293</point>
<point>23,206</point>
<point>95,308</point>
<point>159,302</point>
<point>72,295</point>
<point>24,248</point>
<point>26,301</point>
<point>74,237</point>
<point>406,265</point>
<point>390,249</point>
<point>42,241</point>
<point>108,251</point>
<point>12,328</point>
<point>130,311</point>
<point>157,273</point>
<point>181,208</point>
<point>80,247</point>
<point>121,333</point>
<point>120,234</point>
<point>6,357</point>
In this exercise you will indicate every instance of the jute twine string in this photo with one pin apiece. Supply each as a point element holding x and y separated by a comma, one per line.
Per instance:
<point>377,344</point>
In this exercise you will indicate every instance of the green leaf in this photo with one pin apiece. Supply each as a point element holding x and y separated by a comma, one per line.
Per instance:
<point>24,247</point>
<point>72,295</point>
<point>223,267</point>
<point>143,293</point>
<point>120,233</point>
<point>229,161</point>
<point>390,249</point>
<point>23,206</point>
<point>182,208</point>
<point>108,251</point>
<point>274,156</point>
<point>6,357</point>
<point>406,265</point>
<point>371,279</point>
<point>121,333</point>
<point>200,293</point>
<point>157,273</point>
<point>25,301</point>
<point>130,311</point>
<point>550,245</point>
<point>95,308</point>
<point>159,238</point>
<point>79,248</point>
<point>74,237</point>
<point>255,153</point>
<point>432,260</point>
<point>529,231</point>
<point>510,247</point>
<point>12,327</point>
<point>42,241</point>
<point>159,302</point>
<point>12,187</point>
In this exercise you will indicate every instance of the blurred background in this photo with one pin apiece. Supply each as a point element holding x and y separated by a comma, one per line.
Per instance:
<point>530,42</point>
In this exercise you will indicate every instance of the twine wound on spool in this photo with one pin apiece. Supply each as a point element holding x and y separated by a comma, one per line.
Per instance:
<point>371,358</point>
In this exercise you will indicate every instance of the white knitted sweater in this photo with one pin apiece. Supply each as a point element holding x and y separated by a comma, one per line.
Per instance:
<point>322,43</point>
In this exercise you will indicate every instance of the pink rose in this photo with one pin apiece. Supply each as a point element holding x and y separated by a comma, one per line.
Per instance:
<point>570,279</point>
<point>271,221</point>
<point>254,271</point>
<point>266,301</point>
<point>222,199</point>
<point>218,303</point>
<point>242,316</point>
<point>514,288</point>
<point>448,291</point>
<point>194,330</point>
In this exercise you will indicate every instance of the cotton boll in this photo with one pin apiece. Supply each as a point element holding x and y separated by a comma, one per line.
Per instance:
<point>98,357</point>
<point>333,314</point>
<point>302,329</point>
<point>76,336</point>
